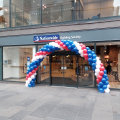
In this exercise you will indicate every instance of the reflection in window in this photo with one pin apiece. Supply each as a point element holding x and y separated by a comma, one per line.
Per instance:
<point>95,9</point>
<point>25,12</point>
<point>4,13</point>
<point>57,11</point>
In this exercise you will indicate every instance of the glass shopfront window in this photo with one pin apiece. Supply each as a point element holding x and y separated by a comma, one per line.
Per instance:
<point>15,62</point>
<point>85,72</point>
<point>95,9</point>
<point>44,69</point>
<point>25,12</point>
<point>109,53</point>
<point>4,13</point>
<point>57,11</point>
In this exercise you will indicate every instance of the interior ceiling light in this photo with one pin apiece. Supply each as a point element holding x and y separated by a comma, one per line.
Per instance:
<point>6,10</point>
<point>33,1</point>
<point>109,44</point>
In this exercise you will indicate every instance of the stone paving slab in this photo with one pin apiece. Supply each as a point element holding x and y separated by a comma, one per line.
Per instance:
<point>45,102</point>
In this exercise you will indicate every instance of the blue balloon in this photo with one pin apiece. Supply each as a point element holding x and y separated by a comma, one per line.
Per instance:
<point>101,90</point>
<point>35,66</point>
<point>32,68</point>
<point>106,83</point>
<point>34,63</point>
<point>71,42</point>
<point>48,50</point>
<point>107,78</point>
<point>89,51</point>
<point>104,86</point>
<point>90,59</point>
<point>90,63</point>
<point>94,56</point>
<point>33,84</point>
<point>101,84</point>
<point>42,49</point>
<point>29,85</point>
<point>34,79</point>
<point>53,48</point>
<point>77,52</point>
<point>93,64</point>
<point>93,52</point>
<point>87,48</point>
<point>73,46</point>
<point>105,75</point>
<point>94,60</point>
<point>69,47</point>
<point>27,72</point>
<point>105,71</point>
<point>98,86</point>
<point>31,65</point>
<point>103,80</point>
<point>89,55</point>
<point>93,68</point>
<point>75,49</point>
<point>67,44</point>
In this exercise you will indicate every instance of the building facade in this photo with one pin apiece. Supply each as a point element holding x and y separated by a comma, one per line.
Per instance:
<point>96,23</point>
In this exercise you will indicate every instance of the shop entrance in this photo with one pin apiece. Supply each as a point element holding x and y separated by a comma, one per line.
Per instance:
<point>63,67</point>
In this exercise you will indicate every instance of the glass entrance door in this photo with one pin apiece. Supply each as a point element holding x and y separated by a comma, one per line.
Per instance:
<point>57,69</point>
<point>64,69</point>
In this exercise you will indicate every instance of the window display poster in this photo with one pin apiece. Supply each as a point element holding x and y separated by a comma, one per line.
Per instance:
<point>28,62</point>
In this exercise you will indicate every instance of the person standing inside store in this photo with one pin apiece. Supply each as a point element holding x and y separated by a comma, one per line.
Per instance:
<point>108,68</point>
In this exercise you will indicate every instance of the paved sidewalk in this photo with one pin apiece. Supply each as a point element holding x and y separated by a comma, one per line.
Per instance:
<point>57,103</point>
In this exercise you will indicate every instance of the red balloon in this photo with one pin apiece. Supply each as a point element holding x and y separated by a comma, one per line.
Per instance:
<point>44,53</point>
<point>58,41</point>
<point>26,78</point>
<point>33,71</point>
<point>85,55</point>
<point>83,47</point>
<point>86,58</point>
<point>84,51</point>
<point>64,46</point>
<point>81,44</point>
<point>98,81</point>
<point>30,74</point>
<point>99,77</point>
<point>61,44</point>
<point>101,64</point>
<point>40,53</point>
<point>102,68</point>
<point>101,73</point>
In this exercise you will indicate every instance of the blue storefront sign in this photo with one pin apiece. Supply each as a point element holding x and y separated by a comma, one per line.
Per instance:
<point>46,38</point>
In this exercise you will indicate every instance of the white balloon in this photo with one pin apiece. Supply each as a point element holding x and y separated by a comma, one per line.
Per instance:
<point>37,57</point>
<point>82,55</point>
<point>32,76</point>
<point>107,90</point>
<point>27,82</point>
<point>97,58</point>
<point>41,56</point>
<point>98,66</point>
<point>80,52</point>
<point>97,70</point>
<point>108,86</point>
<point>26,85</point>
<point>29,79</point>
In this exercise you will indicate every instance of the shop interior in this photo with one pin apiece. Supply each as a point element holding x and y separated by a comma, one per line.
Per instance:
<point>109,54</point>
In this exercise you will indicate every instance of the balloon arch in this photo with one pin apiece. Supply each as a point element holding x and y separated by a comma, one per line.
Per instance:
<point>82,50</point>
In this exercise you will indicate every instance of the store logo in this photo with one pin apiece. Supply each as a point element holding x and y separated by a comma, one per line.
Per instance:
<point>46,38</point>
